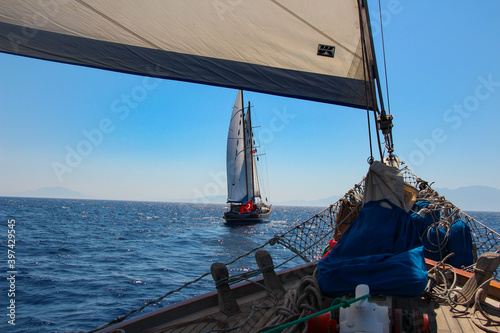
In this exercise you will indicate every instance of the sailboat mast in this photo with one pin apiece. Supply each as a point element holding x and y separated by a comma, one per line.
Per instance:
<point>251,150</point>
<point>244,142</point>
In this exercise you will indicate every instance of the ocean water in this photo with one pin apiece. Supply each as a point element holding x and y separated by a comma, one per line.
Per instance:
<point>79,264</point>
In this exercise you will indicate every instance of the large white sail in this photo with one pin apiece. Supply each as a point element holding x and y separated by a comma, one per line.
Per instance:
<point>235,157</point>
<point>298,48</point>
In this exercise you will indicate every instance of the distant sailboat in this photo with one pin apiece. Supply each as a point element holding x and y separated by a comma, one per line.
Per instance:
<point>243,188</point>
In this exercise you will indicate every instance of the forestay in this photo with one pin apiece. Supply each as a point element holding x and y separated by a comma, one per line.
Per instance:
<point>305,49</point>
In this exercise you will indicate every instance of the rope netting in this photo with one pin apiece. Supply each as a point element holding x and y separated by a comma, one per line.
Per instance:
<point>484,238</point>
<point>309,238</point>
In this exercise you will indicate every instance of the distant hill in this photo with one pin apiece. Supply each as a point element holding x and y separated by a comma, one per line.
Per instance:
<point>473,198</point>
<point>325,202</point>
<point>51,192</point>
<point>217,199</point>
<point>470,198</point>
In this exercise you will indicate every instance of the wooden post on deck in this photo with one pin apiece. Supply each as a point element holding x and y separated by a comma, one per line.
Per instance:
<point>486,265</point>
<point>271,280</point>
<point>226,299</point>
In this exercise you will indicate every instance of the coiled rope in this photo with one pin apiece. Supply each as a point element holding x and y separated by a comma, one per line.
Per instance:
<point>442,288</point>
<point>298,304</point>
<point>298,325</point>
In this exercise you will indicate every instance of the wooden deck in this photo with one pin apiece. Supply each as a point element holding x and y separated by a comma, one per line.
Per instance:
<point>202,313</point>
<point>441,319</point>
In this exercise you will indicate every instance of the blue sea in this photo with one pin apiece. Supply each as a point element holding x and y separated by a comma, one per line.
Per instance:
<point>79,264</point>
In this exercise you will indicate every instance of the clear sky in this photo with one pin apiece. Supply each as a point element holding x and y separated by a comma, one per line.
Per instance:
<point>145,139</point>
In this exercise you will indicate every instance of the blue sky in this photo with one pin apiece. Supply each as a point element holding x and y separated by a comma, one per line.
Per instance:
<point>146,139</point>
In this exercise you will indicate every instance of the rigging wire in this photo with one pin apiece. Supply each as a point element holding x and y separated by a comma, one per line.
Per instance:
<point>368,89</point>
<point>383,55</point>
<point>370,159</point>
<point>378,137</point>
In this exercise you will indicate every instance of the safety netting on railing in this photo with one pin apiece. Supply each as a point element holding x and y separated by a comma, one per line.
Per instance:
<point>446,214</point>
<point>309,238</point>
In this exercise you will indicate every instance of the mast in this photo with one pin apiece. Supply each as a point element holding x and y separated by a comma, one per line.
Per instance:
<point>244,142</point>
<point>251,150</point>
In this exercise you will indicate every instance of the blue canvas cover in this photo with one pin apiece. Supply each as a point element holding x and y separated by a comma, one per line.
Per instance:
<point>423,222</point>
<point>382,249</point>
<point>460,243</point>
<point>435,243</point>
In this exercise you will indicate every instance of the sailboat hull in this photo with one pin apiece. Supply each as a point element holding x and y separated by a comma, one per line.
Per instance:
<point>248,217</point>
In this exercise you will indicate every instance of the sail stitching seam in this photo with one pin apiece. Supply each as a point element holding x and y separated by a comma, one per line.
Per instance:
<point>313,27</point>
<point>118,24</point>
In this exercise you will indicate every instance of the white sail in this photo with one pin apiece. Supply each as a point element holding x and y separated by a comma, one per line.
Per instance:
<point>242,180</point>
<point>283,47</point>
<point>235,157</point>
<point>252,179</point>
<point>256,187</point>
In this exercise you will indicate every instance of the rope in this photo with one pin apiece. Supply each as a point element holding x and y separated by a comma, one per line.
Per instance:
<point>243,276</point>
<point>298,303</point>
<point>478,308</point>
<point>337,304</point>
<point>441,290</point>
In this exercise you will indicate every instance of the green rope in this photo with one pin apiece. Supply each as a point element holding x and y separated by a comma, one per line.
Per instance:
<point>337,303</point>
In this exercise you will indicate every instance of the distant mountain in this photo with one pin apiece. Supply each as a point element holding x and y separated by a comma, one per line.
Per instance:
<point>473,198</point>
<point>470,198</point>
<point>311,203</point>
<point>51,192</point>
<point>216,199</point>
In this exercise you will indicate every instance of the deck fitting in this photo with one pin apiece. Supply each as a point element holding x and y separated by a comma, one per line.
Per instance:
<point>226,299</point>
<point>271,280</point>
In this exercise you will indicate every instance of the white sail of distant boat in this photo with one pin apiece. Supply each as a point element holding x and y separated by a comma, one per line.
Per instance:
<point>243,187</point>
<point>236,167</point>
